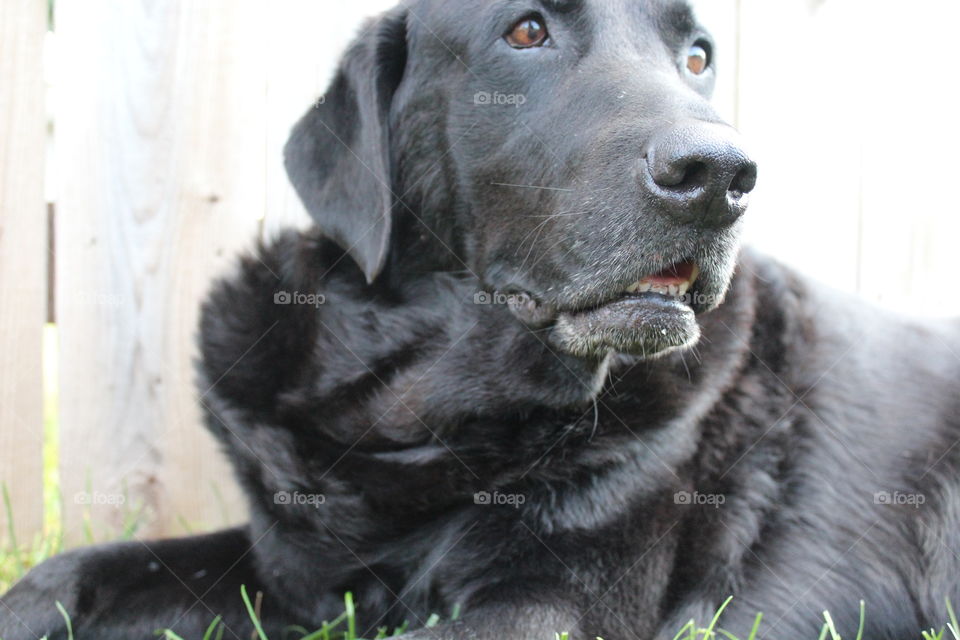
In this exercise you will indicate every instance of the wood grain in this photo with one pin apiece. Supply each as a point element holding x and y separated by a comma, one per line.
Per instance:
<point>23,260</point>
<point>161,144</point>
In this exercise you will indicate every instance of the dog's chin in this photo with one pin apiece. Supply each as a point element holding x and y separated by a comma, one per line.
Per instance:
<point>647,325</point>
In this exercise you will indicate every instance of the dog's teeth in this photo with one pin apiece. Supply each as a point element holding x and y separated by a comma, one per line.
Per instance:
<point>672,290</point>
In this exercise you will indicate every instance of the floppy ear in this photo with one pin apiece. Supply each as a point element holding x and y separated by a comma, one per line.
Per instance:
<point>338,155</point>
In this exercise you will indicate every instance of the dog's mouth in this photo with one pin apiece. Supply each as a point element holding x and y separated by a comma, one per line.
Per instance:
<point>649,318</point>
<point>675,281</point>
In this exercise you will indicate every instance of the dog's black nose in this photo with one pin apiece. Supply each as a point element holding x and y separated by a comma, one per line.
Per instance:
<point>701,173</point>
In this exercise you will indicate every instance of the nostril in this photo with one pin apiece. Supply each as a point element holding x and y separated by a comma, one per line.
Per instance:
<point>745,181</point>
<point>696,176</point>
<point>684,175</point>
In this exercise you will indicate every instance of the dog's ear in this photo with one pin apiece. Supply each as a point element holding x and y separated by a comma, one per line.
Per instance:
<point>338,156</point>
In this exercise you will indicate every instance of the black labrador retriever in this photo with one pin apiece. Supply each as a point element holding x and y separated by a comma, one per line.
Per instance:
<point>498,375</point>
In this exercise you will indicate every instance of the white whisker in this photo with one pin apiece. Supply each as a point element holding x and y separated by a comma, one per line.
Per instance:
<point>528,186</point>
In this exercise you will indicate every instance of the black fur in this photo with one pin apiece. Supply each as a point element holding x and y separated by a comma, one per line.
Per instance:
<point>800,455</point>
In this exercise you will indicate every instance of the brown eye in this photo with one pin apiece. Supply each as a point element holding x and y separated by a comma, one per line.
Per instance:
<point>698,59</point>
<point>529,32</point>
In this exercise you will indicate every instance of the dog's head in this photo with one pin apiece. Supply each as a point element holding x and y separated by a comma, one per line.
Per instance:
<point>564,151</point>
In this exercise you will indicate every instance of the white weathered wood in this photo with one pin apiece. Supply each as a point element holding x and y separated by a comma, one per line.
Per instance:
<point>161,153</point>
<point>911,219</point>
<point>856,137</point>
<point>23,258</point>
<point>799,108</point>
<point>721,18</point>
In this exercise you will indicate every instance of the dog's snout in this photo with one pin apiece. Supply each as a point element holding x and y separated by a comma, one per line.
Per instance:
<point>701,173</point>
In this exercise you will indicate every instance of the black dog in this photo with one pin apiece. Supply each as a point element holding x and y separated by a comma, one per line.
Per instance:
<point>499,376</point>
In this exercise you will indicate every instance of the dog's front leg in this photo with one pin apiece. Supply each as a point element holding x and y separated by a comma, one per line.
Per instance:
<point>133,589</point>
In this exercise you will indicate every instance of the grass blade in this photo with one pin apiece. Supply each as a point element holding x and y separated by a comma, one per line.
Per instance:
<point>863,619</point>
<point>953,625</point>
<point>11,531</point>
<point>66,619</point>
<point>824,631</point>
<point>831,626</point>
<point>756,627</point>
<point>213,625</point>
<point>688,629</point>
<point>324,632</point>
<point>708,632</point>
<point>252,613</point>
<point>351,616</point>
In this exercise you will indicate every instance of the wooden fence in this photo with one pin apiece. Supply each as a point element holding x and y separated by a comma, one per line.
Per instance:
<point>168,118</point>
<point>23,232</point>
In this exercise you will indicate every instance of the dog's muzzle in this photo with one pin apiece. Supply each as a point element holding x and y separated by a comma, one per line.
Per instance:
<point>698,176</point>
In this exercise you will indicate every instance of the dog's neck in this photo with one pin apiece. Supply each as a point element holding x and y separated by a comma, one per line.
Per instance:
<point>417,400</point>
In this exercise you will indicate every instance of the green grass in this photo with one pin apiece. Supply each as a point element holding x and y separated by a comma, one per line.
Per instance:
<point>17,556</point>
<point>344,627</point>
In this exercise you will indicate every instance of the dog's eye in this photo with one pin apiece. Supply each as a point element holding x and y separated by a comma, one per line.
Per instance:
<point>529,32</point>
<point>698,58</point>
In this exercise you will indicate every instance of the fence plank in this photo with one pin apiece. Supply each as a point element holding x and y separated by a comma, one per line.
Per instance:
<point>854,142</point>
<point>23,258</point>
<point>161,148</point>
<point>910,220</point>
<point>799,110</point>
<point>721,18</point>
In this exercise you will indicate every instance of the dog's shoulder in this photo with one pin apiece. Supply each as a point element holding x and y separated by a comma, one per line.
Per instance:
<point>257,318</point>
